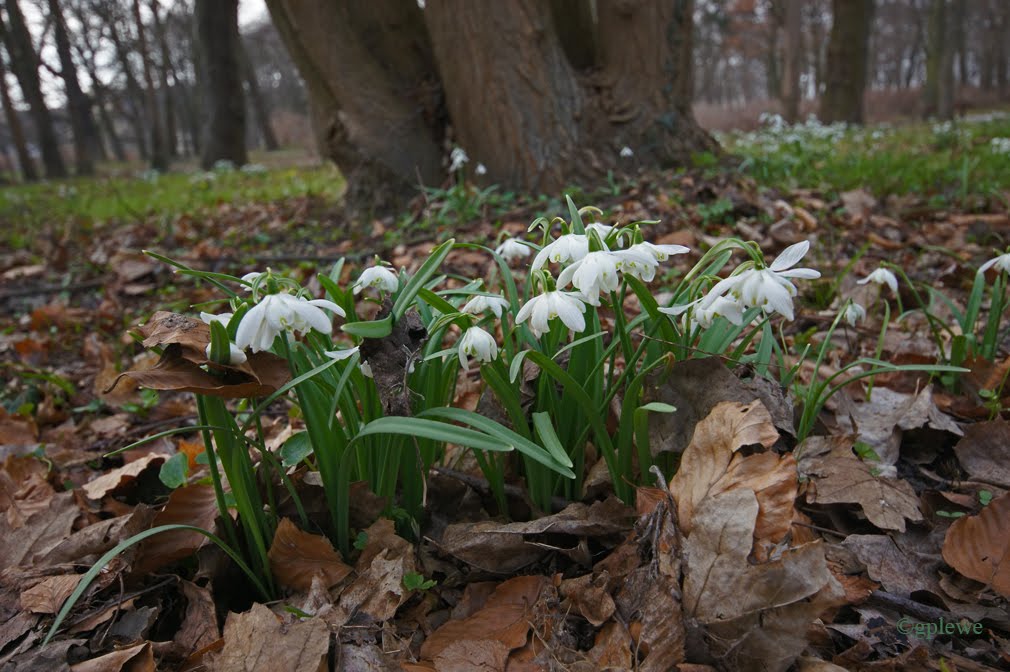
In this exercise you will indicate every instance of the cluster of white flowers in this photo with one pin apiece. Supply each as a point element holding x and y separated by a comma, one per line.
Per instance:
<point>1000,145</point>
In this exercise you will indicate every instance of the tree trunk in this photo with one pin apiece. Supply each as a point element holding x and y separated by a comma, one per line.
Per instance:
<point>82,122</point>
<point>24,63</point>
<point>133,89</point>
<point>28,173</point>
<point>938,93</point>
<point>166,73</point>
<point>792,61</point>
<point>256,101</point>
<point>224,108</point>
<point>394,88</point>
<point>848,51</point>
<point>159,151</point>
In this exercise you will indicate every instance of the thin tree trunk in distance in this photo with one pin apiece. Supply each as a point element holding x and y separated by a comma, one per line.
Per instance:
<point>166,74</point>
<point>256,102</point>
<point>792,61</point>
<point>24,63</point>
<point>82,123</point>
<point>848,51</point>
<point>159,152</point>
<point>28,172</point>
<point>135,94</point>
<point>224,105</point>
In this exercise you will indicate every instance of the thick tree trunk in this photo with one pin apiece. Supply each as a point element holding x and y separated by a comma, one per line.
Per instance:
<point>82,122</point>
<point>24,63</point>
<point>256,101</point>
<point>159,150</point>
<point>938,94</point>
<point>792,61</point>
<point>848,51</point>
<point>28,172</point>
<point>224,109</point>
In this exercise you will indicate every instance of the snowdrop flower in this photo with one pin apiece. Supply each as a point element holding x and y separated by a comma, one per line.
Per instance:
<point>853,313</point>
<point>457,158</point>
<point>366,369</point>
<point>769,288</point>
<point>282,312</point>
<point>599,227</point>
<point>705,310</point>
<point>236,356</point>
<point>660,252</point>
<point>480,303</point>
<point>223,318</point>
<point>1002,264</point>
<point>512,249</point>
<point>379,277</point>
<point>626,152</point>
<point>341,354</point>
<point>882,276</point>
<point>251,279</point>
<point>481,169</point>
<point>569,247</point>
<point>637,262</point>
<point>476,342</point>
<point>541,309</point>
<point>595,272</point>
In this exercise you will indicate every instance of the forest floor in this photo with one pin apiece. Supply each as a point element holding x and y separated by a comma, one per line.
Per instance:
<point>904,491</point>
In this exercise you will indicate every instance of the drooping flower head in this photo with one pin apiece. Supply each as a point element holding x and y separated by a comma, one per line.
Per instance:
<point>853,313</point>
<point>769,288</point>
<point>593,273</point>
<point>881,276</point>
<point>283,312</point>
<point>477,343</point>
<point>512,249</point>
<point>543,308</point>
<point>480,303</point>
<point>564,249</point>
<point>378,277</point>
<point>1002,264</point>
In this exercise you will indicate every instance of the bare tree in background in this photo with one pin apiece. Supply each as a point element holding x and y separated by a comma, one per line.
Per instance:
<point>87,143</point>
<point>846,68</point>
<point>224,106</point>
<point>25,64</point>
<point>166,74</point>
<point>28,172</point>
<point>938,92</point>
<point>159,150</point>
<point>257,102</point>
<point>390,82</point>
<point>793,59</point>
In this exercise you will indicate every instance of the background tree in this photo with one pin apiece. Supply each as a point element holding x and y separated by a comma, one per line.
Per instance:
<point>792,61</point>
<point>159,148</point>
<point>28,173</point>
<point>847,61</point>
<point>938,92</point>
<point>25,64</point>
<point>87,143</point>
<point>393,86</point>
<point>224,104</point>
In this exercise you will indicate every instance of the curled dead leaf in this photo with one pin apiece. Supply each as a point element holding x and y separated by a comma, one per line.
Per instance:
<point>297,556</point>
<point>979,546</point>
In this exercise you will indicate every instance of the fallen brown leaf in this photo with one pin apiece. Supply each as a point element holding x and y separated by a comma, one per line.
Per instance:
<point>194,505</point>
<point>112,480</point>
<point>139,658</point>
<point>257,641</point>
<point>979,546</point>
<point>984,452</point>
<point>297,556</point>
<point>47,596</point>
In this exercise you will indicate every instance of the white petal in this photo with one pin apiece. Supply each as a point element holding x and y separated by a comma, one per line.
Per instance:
<point>341,354</point>
<point>328,305</point>
<point>790,256</point>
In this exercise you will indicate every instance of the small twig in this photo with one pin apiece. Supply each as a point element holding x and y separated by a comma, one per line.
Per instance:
<point>923,612</point>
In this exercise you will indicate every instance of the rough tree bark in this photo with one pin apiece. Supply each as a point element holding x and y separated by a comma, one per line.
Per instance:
<point>224,103</point>
<point>541,106</point>
<point>159,149</point>
<point>259,106</point>
<point>28,172</point>
<point>25,64</point>
<point>848,51</point>
<point>938,93</point>
<point>87,143</point>
<point>792,60</point>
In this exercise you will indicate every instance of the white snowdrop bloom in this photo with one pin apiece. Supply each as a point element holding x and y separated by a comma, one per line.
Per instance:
<point>705,310</point>
<point>480,303</point>
<point>626,152</point>
<point>457,159</point>
<point>223,318</point>
<point>378,277</point>
<point>236,355</point>
<point>595,272</point>
<point>541,309</point>
<point>341,354</point>
<point>569,247</point>
<point>476,342</point>
<point>481,169</point>
<point>366,369</point>
<point>512,249</point>
<point>600,228</point>
<point>853,313</point>
<point>1002,264</point>
<point>420,4</point>
<point>250,278</point>
<point>769,288</point>
<point>882,276</point>
<point>283,312</point>
<point>659,252</point>
<point>637,262</point>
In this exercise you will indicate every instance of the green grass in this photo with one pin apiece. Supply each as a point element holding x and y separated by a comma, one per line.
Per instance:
<point>947,163</point>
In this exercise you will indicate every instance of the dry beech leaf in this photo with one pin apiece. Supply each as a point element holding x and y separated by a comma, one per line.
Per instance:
<point>199,625</point>
<point>729,427</point>
<point>194,505</point>
<point>378,590</point>
<point>42,531</point>
<point>47,596</point>
<point>113,480</point>
<point>505,618</point>
<point>297,556</point>
<point>838,476</point>
<point>139,658</point>
<point>589,596</point>
<point>257,641</point>
<point>979,546</point>
<point>984,452</point>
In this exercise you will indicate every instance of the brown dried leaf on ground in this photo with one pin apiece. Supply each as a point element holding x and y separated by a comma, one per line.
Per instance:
<point>505,618</point>
<point>984,452</point>
<point>979,546</point>
<point>757,613</point>
<point>297,556</point>
<point>24,489</point>
<point>901,571</point>
<point>194,505</point>
<point>139,658</point>
<point>378,590</point>
<point>838,476</point>
<point>729,427</point>
<point>199,624</point>
<point>112,480</point>
<point>588,596</point>
<point>772,479</point>
<point>16,430</point>
<point>48,595</point>
<point>257,641</point>
<point>42,531</point>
